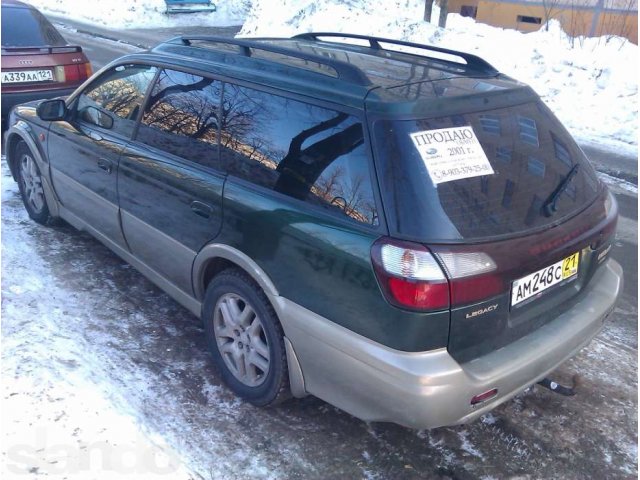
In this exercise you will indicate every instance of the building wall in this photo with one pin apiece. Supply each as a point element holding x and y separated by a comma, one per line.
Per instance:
<point>575,21</point>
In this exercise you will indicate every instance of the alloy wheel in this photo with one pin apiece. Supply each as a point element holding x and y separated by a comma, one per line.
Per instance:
<point>32,183</point>
<point>241,339</point>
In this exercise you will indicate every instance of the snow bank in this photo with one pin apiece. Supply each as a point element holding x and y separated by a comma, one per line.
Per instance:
<point>143,13</point>
<point>590,83</point>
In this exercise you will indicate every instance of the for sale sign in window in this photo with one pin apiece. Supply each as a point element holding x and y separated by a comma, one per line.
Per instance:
<point>452,154</point>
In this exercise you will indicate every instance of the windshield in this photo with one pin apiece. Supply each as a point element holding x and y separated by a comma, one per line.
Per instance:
<point>494,173</point>
<point>27,27</point>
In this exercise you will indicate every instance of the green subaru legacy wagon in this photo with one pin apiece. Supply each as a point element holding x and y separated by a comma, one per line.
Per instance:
<point>398,229</point>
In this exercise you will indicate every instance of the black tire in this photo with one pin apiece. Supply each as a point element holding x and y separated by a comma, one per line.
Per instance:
<point>30,184</point>
<point>259,386</point>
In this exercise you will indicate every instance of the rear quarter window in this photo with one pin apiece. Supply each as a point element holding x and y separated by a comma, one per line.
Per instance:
<point>530,154</point>
<point>313,154</point>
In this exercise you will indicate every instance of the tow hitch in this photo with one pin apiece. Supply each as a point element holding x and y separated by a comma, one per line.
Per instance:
<point>561,389</point>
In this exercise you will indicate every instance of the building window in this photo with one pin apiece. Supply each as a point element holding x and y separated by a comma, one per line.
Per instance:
<point>490,124</point>
<point>528,131</point>
<point>504,154</point>
<point>468,11</point>
<point>536,167</point>
<point>562,152</point>
<point>527,19</point>
<point>509,188</point>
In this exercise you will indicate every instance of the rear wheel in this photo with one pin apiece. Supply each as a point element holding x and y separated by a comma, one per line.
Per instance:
<point>245,339</point>
<point>30,184</point>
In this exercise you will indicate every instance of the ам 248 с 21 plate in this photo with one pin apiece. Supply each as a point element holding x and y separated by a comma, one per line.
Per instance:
<point>529,286</point>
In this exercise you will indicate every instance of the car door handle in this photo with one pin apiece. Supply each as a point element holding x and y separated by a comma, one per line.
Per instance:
<point>201,209</point>
<point>105,165</point>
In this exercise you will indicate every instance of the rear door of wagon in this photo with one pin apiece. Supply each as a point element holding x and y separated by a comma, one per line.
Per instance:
<point>506,188</point>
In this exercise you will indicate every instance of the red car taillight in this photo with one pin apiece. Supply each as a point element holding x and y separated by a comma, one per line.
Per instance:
<point>409,275</point>
<point>413,277</point>
<point>73,73</point>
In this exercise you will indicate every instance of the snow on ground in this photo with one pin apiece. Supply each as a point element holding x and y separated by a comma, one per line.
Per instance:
<point>59,417</point>
<point>590,83</point>
<point>144,13</point>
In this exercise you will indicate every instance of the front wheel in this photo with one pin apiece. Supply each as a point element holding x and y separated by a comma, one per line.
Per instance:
<point>245,339</point>
<point>30,184</point>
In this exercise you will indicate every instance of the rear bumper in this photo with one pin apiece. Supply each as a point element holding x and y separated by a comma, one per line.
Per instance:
<point>430,389</point>
<point>11,99</point>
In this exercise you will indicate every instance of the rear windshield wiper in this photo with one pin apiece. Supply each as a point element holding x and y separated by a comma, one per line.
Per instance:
<point>549,207</point>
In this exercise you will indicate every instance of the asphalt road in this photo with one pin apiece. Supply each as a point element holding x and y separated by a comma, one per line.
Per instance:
<point>537,435</point>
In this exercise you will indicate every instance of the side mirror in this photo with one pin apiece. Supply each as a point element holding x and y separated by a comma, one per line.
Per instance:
<point>52,110</point>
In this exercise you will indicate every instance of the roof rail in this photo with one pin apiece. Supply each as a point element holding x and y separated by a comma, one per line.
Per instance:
<point>344,71</point>
<point>472,61</point>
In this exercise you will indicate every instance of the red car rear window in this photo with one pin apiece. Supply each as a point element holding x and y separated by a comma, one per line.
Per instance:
<point>27,27</point>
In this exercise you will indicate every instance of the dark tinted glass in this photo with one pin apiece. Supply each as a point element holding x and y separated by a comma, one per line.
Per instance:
<point>181,117</point>
<point>117,94</point>
<point>26,27</point>
<point>530,153</point>
<point>300,150</point>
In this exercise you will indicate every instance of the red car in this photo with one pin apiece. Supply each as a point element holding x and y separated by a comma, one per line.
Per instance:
<point>37,62</point>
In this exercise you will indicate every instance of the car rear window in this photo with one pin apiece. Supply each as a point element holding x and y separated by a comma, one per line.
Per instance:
<point>27,27</point>
<point>501,170</point>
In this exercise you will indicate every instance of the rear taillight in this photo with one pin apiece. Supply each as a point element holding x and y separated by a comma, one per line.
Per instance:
<point>73,73</point>
<point>420,278</point>
<point>409,275</point>
<point>472,276</point>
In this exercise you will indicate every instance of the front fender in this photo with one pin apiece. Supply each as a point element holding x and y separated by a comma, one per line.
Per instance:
<point>22,131</point>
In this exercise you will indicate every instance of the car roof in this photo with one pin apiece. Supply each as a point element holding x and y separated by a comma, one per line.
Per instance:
<point>393,76</point>
<point>15,3</point>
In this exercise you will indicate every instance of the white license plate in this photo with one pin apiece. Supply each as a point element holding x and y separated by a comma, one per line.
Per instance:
<point>27,76</point>
<point>531,285</point>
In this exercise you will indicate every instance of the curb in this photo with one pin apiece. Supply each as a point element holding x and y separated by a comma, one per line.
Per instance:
<point>102,35</point>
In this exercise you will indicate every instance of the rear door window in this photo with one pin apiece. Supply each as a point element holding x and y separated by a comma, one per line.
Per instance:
<point>313,154</point>
<point>27,27</point>
<point>530,153</point>
<point>182,117</point>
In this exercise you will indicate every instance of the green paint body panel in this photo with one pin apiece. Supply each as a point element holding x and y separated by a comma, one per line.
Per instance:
<point>324,265</point>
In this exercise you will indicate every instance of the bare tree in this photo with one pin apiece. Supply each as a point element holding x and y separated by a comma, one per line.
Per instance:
<point>327,186</point>
<point>444,10</point>
<point>618,24</point>
<point>428,10</point>
<point>551,8</point>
